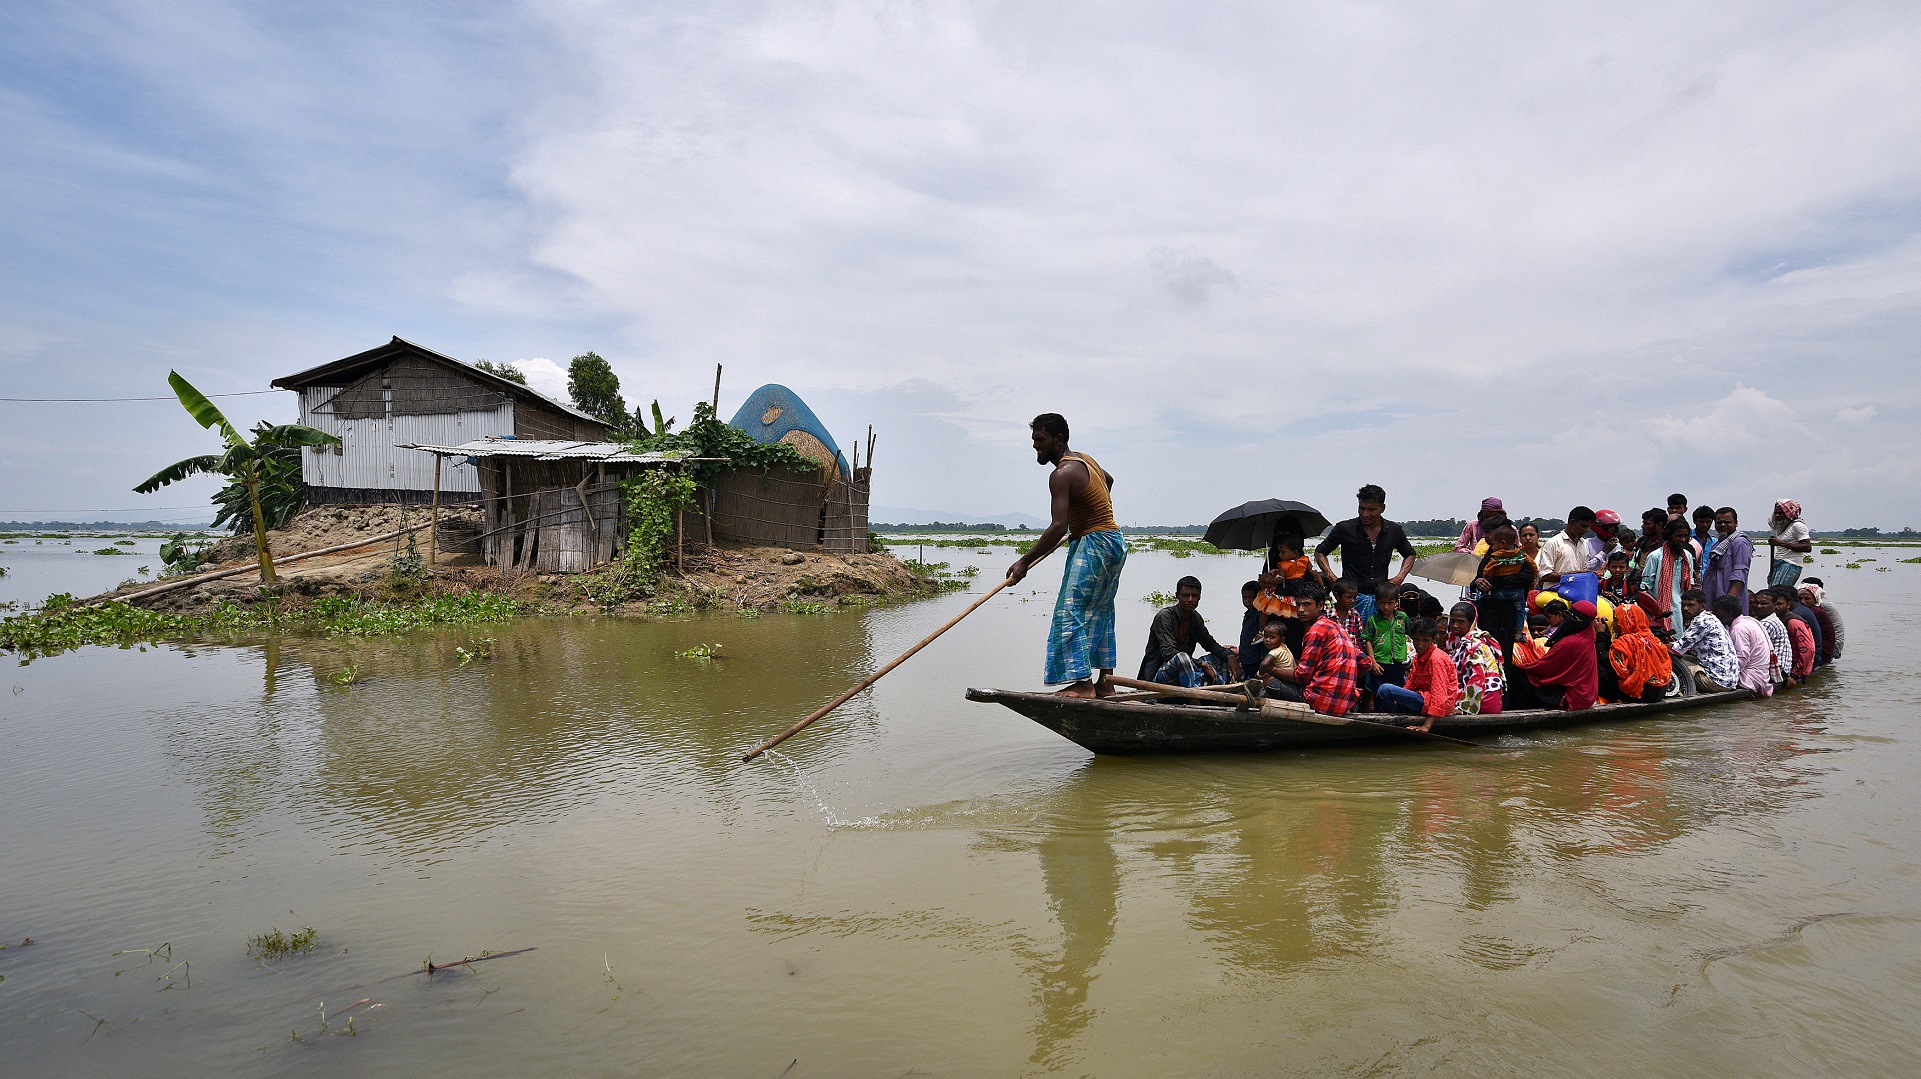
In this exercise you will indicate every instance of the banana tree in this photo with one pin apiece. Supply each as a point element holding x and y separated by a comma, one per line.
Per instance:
<point>243,462</point>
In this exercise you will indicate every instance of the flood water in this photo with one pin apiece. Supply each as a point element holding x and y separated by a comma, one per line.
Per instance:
<point>924,886</point>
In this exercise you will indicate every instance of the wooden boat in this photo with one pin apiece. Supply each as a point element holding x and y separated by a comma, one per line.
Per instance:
<point>1156,726</point>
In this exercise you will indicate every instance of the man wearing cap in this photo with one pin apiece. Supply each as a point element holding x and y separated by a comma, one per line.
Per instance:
<point>1471,535</point>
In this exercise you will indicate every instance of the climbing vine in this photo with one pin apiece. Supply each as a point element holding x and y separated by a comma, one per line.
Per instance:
<point>654,497</point>
<point>708,436</point>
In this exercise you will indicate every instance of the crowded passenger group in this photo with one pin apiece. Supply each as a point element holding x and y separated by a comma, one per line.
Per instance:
<point>1596,612</point>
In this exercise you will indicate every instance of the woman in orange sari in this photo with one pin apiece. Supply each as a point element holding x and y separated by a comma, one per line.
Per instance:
<point>1642,667</point>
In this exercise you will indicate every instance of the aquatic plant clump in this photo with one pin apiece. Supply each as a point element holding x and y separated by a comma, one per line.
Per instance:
<point>279,945</point>
<point>62,624</point>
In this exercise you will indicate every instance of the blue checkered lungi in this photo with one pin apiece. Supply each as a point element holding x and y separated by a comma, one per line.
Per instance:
<point>1081,640</point>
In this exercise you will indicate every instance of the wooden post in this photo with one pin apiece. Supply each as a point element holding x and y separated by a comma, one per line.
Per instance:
<point>680,546</point>
<point>717,391</point>
<point>433,522</point>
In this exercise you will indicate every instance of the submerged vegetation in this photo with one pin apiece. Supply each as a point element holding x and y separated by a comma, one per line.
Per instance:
<point>63,624</point>
<point>279,945</point>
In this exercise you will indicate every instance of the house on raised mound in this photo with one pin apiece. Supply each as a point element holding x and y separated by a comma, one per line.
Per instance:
<point>402,394</point>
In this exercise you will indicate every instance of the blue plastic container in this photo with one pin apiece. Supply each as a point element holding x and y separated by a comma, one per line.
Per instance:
<point>1575,587</point>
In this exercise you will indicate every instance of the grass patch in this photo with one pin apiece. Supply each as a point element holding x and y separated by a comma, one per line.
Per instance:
<point>1159,598</point>
<point>801,606</point>
<point>111,550</point>
<point>1829,550</point>
<point>279,945</point>
<point>62,624</point>
<point>1912,561</point>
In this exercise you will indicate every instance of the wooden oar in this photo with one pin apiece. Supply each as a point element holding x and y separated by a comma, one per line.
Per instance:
<point>872,678</point>
<point>1289,710</point>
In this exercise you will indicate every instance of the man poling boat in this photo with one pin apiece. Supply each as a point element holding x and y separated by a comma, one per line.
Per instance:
<point>1080,641</point>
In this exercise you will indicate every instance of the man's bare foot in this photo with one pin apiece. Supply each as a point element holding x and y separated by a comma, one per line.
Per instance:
<point>1103,688</point>
<point>1084,690</point>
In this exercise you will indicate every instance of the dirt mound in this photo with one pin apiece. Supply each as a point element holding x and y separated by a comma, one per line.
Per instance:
<point>329,526</point>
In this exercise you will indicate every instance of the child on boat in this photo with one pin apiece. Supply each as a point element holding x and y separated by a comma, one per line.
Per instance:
<point>1347,610</point>
<point>1614,579</point>
<point>1385,649</point>
<point>1276,669</point>
<point>1432,688</point>
<point>1568,675</point>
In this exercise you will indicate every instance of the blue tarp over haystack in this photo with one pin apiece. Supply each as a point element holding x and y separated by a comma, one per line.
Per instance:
<point>773,411</point>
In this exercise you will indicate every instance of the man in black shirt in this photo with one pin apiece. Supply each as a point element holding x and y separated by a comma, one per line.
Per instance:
<point>1367,543</point>
<point>1171,641</point>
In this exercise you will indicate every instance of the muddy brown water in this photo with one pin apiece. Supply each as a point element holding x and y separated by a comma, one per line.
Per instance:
<point>926,886</point>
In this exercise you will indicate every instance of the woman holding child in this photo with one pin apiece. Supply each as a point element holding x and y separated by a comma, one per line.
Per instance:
<point>1505,577</point>
<point>1567,676</point>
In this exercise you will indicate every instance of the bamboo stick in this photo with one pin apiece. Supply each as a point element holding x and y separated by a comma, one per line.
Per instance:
<point>872,678</point>
<point>238,570</point>
<point>433,523</point>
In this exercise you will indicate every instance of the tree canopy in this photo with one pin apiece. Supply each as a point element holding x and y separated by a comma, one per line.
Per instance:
<point>505,370</point>
<point>595,388</point>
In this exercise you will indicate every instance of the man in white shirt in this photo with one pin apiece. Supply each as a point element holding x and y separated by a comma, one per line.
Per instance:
<point>1566,551</point>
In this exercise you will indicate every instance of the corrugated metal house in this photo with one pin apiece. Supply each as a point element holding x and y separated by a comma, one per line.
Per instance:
<point>403,394</point>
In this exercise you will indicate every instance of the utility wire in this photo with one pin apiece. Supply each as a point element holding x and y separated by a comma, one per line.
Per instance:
<point>106,400</point>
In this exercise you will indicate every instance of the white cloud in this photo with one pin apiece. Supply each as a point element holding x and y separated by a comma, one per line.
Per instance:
<point>1242,245</point>
<point>545,376</point>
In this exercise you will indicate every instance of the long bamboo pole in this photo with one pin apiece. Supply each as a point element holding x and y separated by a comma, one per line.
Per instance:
<point>433,526</point>
<point>872,678</point>
<point>238,570</point>
<point>1288,710</point>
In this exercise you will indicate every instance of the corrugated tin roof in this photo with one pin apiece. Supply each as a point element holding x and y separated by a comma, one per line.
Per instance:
<point>337,368</point>
<point>549,449</point>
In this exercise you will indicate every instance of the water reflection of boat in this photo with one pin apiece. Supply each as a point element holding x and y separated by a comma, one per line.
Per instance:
<point>1133,726</point>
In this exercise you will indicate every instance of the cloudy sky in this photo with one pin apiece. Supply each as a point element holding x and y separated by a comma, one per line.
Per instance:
<point>1560,253</point>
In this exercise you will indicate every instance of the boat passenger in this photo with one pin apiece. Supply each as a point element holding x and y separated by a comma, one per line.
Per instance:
<point>1080,642</point>
<point>1819,590</point>
<point>1367,543</point>
<point>1290,573</point>
<point>1667,571</point>
<point>1477,662</point>
<point>1725,570</point>
<point>1328,668</point>
<point>1347,609</point>
<point>1475,533</point>
<point>1251,621</point>
<point>1810,614</point>
<point>1566,551</point>
<point>1823,624</point>
<point>1677,507</point>
<point>1606,537</point>
<point>1704,655</point>
<point>1790,537</point>
<point>1503,581</point>
<point>1615,585</point>
<point>1704,536</point>
<point>1801,639</point>
<point>1751,648</point>
<point>1568,676</point>
<point>1385,647</point>
<point>1276,669</point>
<point>1531,541</point>
<point>1174,635</point>
<point>1432,688</point>
<point>1780,647</point>
<point>1654,530</point>
<point>1642,668</point>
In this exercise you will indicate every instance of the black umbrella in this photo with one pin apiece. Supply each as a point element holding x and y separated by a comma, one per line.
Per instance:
<point>1250,526</point>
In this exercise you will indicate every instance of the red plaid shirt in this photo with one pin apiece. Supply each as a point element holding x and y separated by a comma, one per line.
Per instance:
<point>1351,622</point>
<point>1329,668</point>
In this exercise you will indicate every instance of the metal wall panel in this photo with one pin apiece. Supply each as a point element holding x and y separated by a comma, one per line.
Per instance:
<point>369,459</point>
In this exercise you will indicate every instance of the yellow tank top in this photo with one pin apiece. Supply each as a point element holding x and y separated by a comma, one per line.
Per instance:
<point>1092,510</point>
